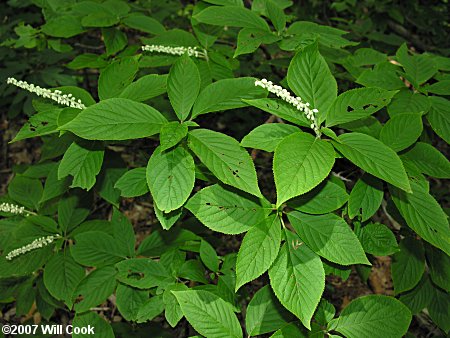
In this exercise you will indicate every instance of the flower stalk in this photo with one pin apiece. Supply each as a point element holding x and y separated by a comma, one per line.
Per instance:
<point>56,95</point>
<point>36,244</point>
<point>297,102</point>
<point>180,50</point>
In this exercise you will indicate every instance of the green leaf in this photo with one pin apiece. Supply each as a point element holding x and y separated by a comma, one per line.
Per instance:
<point>167,220</point>
<point>227,211</point>
<point>439,117</point>
<point>374,313</point>
<point>171,134</point>
<point>226,94</point>
<point>143,23</point>
<point>267,136</point>
<point>102,328</point>
<point>62,275</point>
<point>44,122</point>
<point>173,311</point>
<point>408,265</point>
<point>264,313</point>
<point>54,187</point>
<point>141,273</point>
<point>225,158</point>
<point>64,26</point>
<point>326,197</point>
<point>234,16</point>
<point>95,288</point>
<point>129,300</point>
<point>193,270</point>
<point>383,75</point>
<point>72,210</point>
<point>420,297</point>
<point>406,101</point>
<point>100,19</point>
<point>115,77</point>
<point>439,267</point>
<point>310,78</point>
<point>115,40</point>
<point>424,215</point>
<point>83,163</point>
<point>357,103</point>
<point>281,109</point>
<point>441,87</point>
<point>377,239</point>
<point>26,191</point>
<point>374,157</point>
<point>325,312</point>
<point>97,248</point>
<point>258,250</point>
<point>208,256</point>
<point>249,39</point>
<point>291,330</point>
<point>170,177</point>
<point>300,163</point>
<point>365,197</point>
<point>150,309</point>
<point>428,160</point>
<point>401,131</point>
<point>418,68</point>
<point>116,119</point>
<point>276,15</point>
<point>208,314</point>
<point>330,237</point>
<point>147,87</point>
<point>133,183</point>
<point>439,309</point>
<point>297,278</point>
<point>183,86</point>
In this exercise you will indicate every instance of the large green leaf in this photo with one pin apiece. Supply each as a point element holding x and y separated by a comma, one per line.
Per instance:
<point>408,265</point>
<point>297,278</point>
<point>424,215</point>
<point>102,328</point>
<point>129,301</point>
<point>171,134</point>
<point>326,197</point>
<point>428,160</point>
<point>141,273</point>
<point>439,267</point>
<point>377,239</point>
<point>401,131</point>
<point>183,86</point>
<point>258,250</point>
<point>374,157</point>
<point>268,136</point>
<point>226,94</point>
<point>143,23</point>
<point>95,288</point>
<point>83,163</point>
<point>310,78</point>
<point>406,101</point>
<point>439,117</point>
<point>225,158</point>
<point>357,103</point>
<point>300,163</point>
<point>209,314</point>
<point>62,275</point>
<point>439,309</point>
<point>365,197</point>
<point>418,68</point>
<point>133,183</point>
<point>170,177</point>
<point>97,248</point>
<point>116,77</point>
<point>116,119</point>
<point>227,211</point>
<point>145,88</point>
<point>374,314</point>
<point>234,16</point>
<point>420,297</point>
<point>264,313</point>
<point>329,236</point>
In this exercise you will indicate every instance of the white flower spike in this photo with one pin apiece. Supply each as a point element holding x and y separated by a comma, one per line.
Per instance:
<point>56,95</point>
<point>13,209</point>
<point>191,51</point>
<point>295,101</point>
<point>36,244</point>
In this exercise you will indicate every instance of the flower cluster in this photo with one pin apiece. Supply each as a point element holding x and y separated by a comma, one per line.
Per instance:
<point>56,95</point>
<point>295,101</point>
<point>36,244</point>
<point>191,51</point>
<point>12,208</point>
